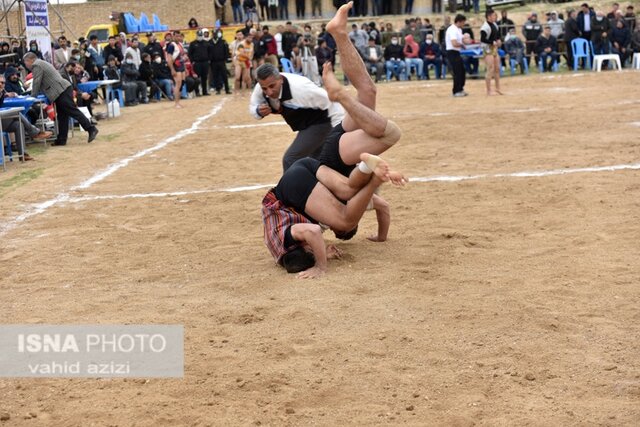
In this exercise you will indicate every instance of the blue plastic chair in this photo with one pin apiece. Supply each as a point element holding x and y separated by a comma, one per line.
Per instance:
<point>580,48</point>
<point>112,93</point>
<point>132,24</point>
<point>157,26</point>
<point>287,66</point>
<point>145,25</point>
<point>5,144</point>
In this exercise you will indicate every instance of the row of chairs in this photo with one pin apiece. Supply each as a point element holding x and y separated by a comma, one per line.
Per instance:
<point>143,25</point>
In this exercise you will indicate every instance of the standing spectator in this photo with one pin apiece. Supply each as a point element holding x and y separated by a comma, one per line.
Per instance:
<point>62,55</point>
<point>505,24</point>
<point>123,44</point>
<point>268,42</point>
<point>600,31</point>
<point>431,54</point>
<point>300,9</point>
<point>476,6</point>
<point>571,32</point>
<point>199,55</point>
<point>412,57</point>
<point>408,7</point>
<point>264,9</point>
<point>358,37</point>
<point>248,26</point>
<point>531,31</point>
<point>273,9</point>
<point>442,39</point>
<point>250,11</point>
<point>373,59</point>
<point>413,30</point>
<point>218,56</point>
<point>283,8</point>
<point>454,44</point>
<point>220,8</point>
<point>611,16</point>
<point>630,18</point>
<point>60,92</point>
<point>242,62</point>
<point>236,7</point>
<point>153,47</point>
<point>620,41</point>
<point>387,33</point>
<point>192,24</point>
<point>584,20</point>
<point>135,90</point>
<point>635,40</point>
<point>134,51</point>
<point>556,24</point>
<point>289,39</point>
<point>436,6</point>
<point>316,5</point>
<point>328,38</point>
<point>113,50</point>
<point>394,60</point>
<point>547,48</point>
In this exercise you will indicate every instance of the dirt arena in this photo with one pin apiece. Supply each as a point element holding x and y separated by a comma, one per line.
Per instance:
<point>498,300</point>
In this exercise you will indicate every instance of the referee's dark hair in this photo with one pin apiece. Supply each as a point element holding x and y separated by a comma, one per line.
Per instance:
<point>489,12</point>
<point>459,18</point>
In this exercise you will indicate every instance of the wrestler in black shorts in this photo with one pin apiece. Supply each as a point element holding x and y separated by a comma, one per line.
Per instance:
<point>330,155</point>
<point>297,183</point>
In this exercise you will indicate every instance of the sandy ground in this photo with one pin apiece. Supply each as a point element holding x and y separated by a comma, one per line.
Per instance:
<point>496,301</point>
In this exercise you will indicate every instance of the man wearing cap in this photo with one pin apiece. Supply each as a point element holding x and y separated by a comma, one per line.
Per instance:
<point>531,30</point>
<point>199,55</point>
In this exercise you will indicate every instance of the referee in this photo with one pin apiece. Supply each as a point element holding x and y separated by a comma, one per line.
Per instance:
<point>453,39</point>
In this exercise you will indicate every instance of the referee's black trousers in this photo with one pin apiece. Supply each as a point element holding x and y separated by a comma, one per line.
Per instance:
<point>457,68</point>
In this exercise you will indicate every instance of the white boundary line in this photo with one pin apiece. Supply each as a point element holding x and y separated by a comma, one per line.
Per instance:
<point>38,208</point>
<point>438,178</point>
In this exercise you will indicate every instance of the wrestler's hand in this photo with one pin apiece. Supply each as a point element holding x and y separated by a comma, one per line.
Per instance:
<point>312,273</point>
<point>375,238</point>
<point>264,110</point>
<point>333,252</point>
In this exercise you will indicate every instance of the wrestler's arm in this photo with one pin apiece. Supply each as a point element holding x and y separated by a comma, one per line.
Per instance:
<point>383,214</point>
<point>311,235</point>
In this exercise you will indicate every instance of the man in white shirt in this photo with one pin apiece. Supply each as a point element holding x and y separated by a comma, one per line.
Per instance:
<point>556,24</point>
<point>134,50</point>
<point>453,40</point>
<point>304,106</point>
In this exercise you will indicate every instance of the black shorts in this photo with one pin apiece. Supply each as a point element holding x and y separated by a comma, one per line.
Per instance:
<point>297,183</point>
<point>330,155</point>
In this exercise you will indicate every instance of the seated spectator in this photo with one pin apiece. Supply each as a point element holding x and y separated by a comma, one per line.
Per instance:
<point>135,91</point>
<point>547,49</point>
<point>13,82</point>
<point>79,75</point>
<point>373,59</point>
<point>394,60</point>
<point>146,76</point>
<point>162,76</point>
<point>471,62</point>
<point>112,72</point>
<point>620,41</point>
<point>431,55</point>
<point>191,80</point>
<point>412,57</point>
<point>296,59</point>
<point>12,125</point>
<point>515,49</point>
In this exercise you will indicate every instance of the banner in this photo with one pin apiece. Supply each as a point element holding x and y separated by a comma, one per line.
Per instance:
<point>36,17</point>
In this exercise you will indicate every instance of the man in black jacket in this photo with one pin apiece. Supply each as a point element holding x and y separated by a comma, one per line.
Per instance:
<point>571,32</point>
<point>113,50</point>
<point>547,48</point>
<point>584,20</point>
<point>218,56</point>
<point>199,55</point>
<point>600,33</point>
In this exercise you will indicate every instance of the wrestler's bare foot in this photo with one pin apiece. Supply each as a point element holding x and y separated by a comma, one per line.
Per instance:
<point>397,178</point>
<point>379,167</point>
<point>338,23</point>
<point>331,84</point>
<point>499,92</point>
